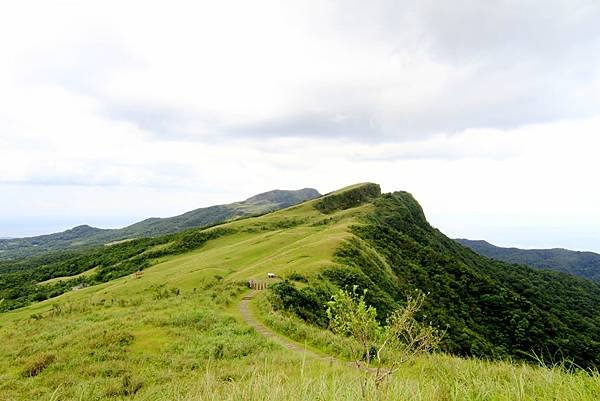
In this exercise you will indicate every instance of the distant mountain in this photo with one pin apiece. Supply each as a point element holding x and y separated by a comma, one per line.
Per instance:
<point>87,236</point>
<point>583,264</point>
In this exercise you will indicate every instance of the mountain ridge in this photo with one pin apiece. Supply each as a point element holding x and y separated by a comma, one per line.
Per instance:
<point>357,236</point>
<point>84,235</point>
<point>579,263</point>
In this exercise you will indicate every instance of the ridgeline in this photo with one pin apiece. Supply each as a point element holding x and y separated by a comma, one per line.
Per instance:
<point>85,236</point>
<point>170,297</point>
<point>583,264</point>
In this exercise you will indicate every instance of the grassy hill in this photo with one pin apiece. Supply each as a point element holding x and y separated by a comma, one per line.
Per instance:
<point>583,264</point>
<point>174,331</point>
<point>86,236</point>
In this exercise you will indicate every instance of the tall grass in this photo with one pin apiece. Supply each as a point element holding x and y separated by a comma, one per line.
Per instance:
<point>439,376</point>
<point>279,377</point>
<point>190,349</point>
<point>189,346</point>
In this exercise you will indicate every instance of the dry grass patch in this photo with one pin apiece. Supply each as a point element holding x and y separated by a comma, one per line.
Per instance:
<point>37,364</point>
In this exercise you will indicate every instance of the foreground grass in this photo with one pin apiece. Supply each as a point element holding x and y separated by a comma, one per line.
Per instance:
<point>444,377</point>
<point>430,378</point>
<point>121,346</point>
<point>162,345</point>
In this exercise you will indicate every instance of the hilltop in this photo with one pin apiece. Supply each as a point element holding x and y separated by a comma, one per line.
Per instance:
<point>86,236</point>
<point>583,264</point>
<point>173,331</point>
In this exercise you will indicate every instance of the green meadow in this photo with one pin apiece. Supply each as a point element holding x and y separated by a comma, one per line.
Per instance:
<point>174,332</point>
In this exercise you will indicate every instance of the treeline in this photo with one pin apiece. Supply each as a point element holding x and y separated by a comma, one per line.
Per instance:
<point>19,280</point>
<point>349,198</point>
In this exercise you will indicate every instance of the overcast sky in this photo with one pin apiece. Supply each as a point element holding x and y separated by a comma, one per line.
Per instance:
<point>488,112</point>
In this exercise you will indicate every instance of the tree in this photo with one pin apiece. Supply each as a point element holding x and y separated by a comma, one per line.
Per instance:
<point>379,350</point>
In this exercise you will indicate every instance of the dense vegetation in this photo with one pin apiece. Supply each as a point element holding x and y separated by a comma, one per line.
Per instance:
<point>86,237</point>
<point>489,309</point>
<point>583,264</point>
<point>349,198</point>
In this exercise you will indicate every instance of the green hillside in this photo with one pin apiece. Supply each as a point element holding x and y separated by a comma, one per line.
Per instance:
<point>86,236</point>
<point>583,264</point>
<point>174,331</point>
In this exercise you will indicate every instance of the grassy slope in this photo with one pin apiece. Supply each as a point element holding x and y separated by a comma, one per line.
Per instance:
<point>257,247</point>
<point>128,315</point>
<point>86,273</point>
<point>86,236</point>
<point>172,334</point>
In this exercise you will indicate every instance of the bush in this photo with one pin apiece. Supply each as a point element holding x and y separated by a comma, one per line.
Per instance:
<point>128,386</point>
<point>308,303</point>
<point>348,199</point>
<point>400,341</point>
<point>38,364</point>
<point>295,276</point>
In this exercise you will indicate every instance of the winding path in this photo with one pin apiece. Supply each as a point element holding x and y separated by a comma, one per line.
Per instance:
<point>270,334</point>
<point>291,345</point>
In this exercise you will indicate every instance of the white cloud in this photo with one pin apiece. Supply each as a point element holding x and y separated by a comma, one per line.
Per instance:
<point>153,108</point>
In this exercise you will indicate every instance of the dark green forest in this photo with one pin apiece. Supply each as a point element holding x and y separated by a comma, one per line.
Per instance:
<point>583,264</point>
<point>489,309</point>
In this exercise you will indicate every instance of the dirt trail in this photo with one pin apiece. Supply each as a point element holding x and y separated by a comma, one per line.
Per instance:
<point>285,342</point>
<point>270,334</point>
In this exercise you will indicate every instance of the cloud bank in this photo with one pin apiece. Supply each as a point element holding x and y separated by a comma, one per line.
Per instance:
<point>143,108</point>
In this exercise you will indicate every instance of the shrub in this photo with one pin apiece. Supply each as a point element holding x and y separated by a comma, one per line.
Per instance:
<point>400,341</point>
<point>37,364</point>
<point>128,386</point>
<point>295,276</point>
<point>162,292</point>
<point>308,303</point>
<point>348,199</point>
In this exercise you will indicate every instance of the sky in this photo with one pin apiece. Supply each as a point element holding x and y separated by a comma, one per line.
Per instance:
<point>488,112</point>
